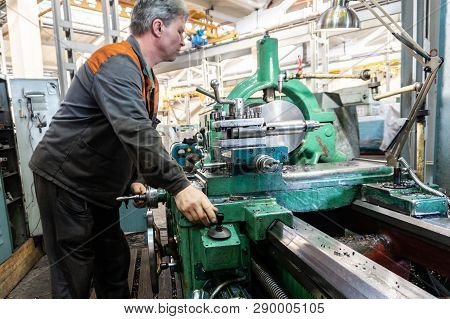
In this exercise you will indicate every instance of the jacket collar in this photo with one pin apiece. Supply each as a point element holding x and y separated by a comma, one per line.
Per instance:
<point>135,45</point>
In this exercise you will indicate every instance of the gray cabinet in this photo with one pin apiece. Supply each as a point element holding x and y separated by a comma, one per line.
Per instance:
<point>34,103</point>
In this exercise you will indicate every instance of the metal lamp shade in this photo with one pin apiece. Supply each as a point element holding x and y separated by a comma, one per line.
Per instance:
<point>338,17</point>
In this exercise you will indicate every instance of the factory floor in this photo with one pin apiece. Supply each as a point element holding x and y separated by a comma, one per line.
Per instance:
<point>36,284</point>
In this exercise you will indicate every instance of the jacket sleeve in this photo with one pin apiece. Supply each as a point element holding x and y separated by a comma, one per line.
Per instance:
<point>117,88</point>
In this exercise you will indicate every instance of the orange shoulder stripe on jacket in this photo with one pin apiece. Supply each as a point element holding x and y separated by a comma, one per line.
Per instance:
<point>104,53</point>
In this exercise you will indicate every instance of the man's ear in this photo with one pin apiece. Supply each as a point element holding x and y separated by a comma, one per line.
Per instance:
<point>157,27</point>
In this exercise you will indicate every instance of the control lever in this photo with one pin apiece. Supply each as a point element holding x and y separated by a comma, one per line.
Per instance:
<point>216,96</point>
<point>219,232</point>
<point>215,86</point>
<point>205,92</point>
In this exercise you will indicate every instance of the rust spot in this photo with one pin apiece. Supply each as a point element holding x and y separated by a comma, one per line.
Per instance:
<point>325,150</point>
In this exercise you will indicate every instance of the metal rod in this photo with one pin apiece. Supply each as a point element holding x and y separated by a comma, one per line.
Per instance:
<point>60,58</point>
<point>286,127</point>
<point>387,26</point>
<point>106,21</point>
<point>214,165</point>
<point>410,88</point>
<point>402,31</point>
<point>291,127</point>
<point>419,183</point>
<point>395,148</point>
<point>328,76</point>
<point>370,160</point>
<point>204,92</point>
<point>115,21</point>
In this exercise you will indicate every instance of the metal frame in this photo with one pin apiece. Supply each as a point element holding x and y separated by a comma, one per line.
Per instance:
<point>66,46</point>
<point>319,45</point>
<point>111,21</point>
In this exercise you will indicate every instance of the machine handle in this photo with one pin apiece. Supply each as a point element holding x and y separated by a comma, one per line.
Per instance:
<point>139,197</point>
<point>151,197</point>
<point>204,92</point>
<point>215,86</point>
<point>33,94</point>
<point>220,218</point>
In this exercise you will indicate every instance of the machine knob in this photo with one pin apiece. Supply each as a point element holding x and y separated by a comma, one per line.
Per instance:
<point>214,83</point>
<point>219,232</point>
<point>220,218</point>
<point>267,164</point>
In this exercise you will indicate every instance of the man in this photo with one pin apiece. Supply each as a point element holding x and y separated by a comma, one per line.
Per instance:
<point>103,133</point>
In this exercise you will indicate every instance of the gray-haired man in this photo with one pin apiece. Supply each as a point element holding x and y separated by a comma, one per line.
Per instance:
<point>103,133</point>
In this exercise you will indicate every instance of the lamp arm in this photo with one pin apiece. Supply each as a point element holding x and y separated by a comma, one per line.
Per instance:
<point>413,47</point>
<point>394,150</point>
<point>431,65</point>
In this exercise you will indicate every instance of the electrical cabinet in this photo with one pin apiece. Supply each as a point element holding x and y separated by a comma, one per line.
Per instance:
<point>13,221</point>
<point>34,103</point>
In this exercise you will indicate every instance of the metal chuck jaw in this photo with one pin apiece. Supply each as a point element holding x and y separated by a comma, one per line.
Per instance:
<point>219,232</point>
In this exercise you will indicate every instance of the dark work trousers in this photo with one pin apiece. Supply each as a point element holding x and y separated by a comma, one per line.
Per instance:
<point>84,244</point>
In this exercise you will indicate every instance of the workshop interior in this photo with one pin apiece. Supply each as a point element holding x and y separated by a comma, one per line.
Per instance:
<point>317,128</point>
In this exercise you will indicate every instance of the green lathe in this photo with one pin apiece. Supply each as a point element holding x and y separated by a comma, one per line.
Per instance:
<point>298,218</point>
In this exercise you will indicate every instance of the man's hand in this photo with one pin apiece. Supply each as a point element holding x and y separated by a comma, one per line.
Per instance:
<point>195,206</point>
<point>136,189</point>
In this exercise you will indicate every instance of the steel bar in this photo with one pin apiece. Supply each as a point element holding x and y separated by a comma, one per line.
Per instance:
<point>410,88</point>
<point>338,269</point>
<point>328,76</point>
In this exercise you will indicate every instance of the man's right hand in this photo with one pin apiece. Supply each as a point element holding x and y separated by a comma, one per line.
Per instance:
<point>195,206</point>
<point>138,189</point>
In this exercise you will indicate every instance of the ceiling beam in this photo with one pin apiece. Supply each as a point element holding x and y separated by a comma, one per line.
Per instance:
<point>85,4</point>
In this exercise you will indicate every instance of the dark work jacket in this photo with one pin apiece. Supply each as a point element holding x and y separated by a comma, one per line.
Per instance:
<point>104,132</point>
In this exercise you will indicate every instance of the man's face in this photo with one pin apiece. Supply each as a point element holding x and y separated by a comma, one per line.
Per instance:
<point>172,39</point>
